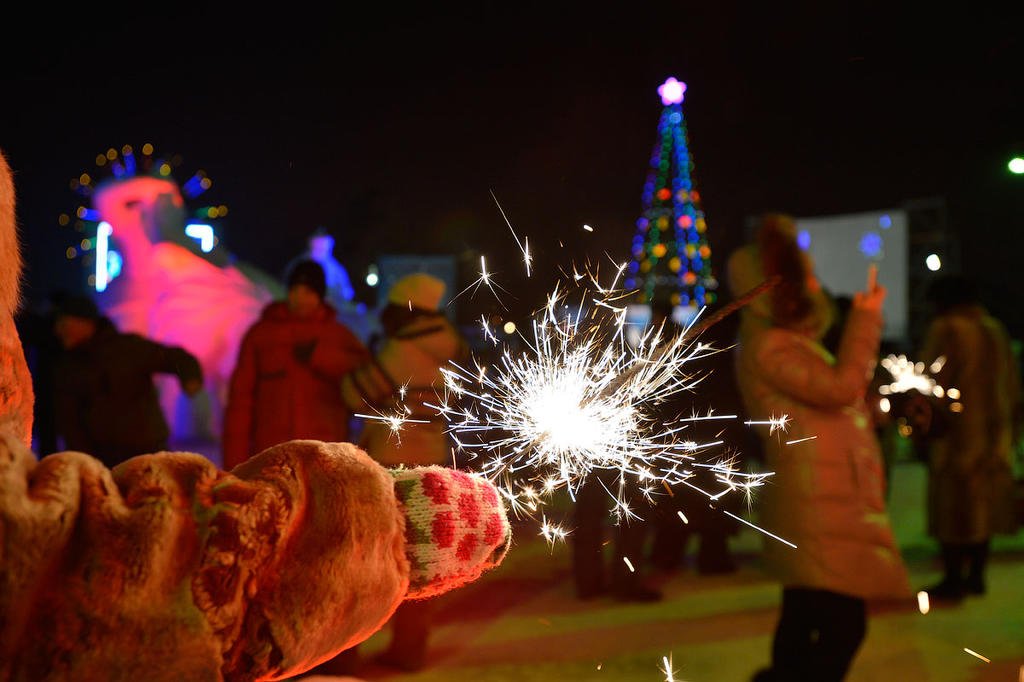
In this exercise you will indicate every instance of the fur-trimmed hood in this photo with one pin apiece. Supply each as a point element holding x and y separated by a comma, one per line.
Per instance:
<point>797,302</point>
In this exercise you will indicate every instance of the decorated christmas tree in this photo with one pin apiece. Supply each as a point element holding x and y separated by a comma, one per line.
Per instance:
<point>671,256</point>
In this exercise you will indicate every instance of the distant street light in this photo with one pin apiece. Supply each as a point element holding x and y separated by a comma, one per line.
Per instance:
<point>1016,165</point>
<point>933,262</point>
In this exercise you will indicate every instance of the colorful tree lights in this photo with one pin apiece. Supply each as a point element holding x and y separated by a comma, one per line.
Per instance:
<point>673,267</point>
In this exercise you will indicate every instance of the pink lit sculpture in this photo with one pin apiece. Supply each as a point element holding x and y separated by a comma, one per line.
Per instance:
<point>174,296</point>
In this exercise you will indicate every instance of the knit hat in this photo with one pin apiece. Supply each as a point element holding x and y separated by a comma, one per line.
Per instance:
<point>456,527</point>
<point>309,273</point>
<point>420,289</point>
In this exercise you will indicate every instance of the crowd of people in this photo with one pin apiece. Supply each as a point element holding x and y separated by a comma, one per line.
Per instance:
<point>803,353</point>
<point>302,374</point>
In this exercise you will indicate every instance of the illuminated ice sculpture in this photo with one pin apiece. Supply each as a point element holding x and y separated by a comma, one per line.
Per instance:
<point>171,294</point>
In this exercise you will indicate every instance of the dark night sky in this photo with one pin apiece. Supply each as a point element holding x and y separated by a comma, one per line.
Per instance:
<point>391,126</point>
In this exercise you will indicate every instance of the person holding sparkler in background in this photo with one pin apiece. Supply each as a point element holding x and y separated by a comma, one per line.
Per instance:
<point>971,434</point>
<point>827,498</point>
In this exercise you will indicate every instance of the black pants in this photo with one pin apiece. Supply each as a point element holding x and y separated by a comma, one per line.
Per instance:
<point>818,635</point>
<point>672,534</point>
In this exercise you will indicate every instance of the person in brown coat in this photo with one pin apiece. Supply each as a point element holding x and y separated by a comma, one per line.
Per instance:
<point>827,493</point>
<point>971,435</point>
<point>291,362</point>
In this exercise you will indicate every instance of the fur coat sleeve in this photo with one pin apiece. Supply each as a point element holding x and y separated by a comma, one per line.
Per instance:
<point>166,568</point>
<point>15,382</point>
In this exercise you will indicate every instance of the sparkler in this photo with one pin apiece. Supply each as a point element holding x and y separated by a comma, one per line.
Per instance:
<point>911,376</point>
<point>583,400</point>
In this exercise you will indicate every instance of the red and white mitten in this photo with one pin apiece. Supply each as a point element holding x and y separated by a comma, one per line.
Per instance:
<point>456,527</point>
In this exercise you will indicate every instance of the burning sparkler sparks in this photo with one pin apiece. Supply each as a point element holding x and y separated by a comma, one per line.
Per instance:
<point>668,669</point>
<point>759,529</point>
<point>912,376</point>
<point>524,245</point>
<point>774,423</point>
<point>582,399</point>
<point>923,602</point>
<point>396,421</point>
<point>552,532</point>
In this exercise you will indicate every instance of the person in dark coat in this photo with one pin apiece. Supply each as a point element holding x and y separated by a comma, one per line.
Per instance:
<point>712,528</point>
<point>592,575</point>
<point>286,384</point>
<point>106,402</point>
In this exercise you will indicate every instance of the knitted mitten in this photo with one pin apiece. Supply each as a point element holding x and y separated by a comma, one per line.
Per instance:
<point>456,528</point>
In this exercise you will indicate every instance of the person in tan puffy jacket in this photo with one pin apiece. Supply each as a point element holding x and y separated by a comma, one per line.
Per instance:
<point>827,494</point>
<point>404,373</point>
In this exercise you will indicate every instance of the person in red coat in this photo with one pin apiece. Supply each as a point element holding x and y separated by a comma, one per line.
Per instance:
<point>285,384</point>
